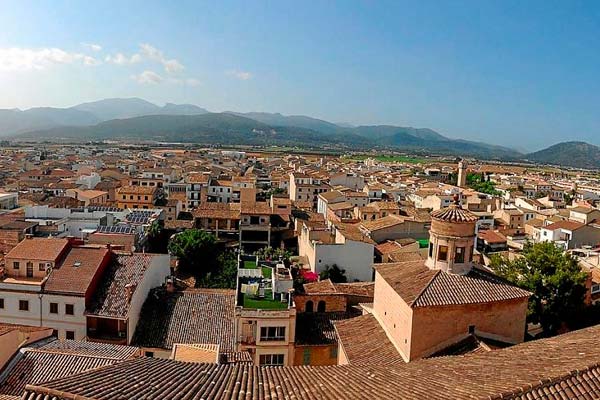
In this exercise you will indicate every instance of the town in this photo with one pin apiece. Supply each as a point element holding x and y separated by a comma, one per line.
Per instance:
<point>162,271</point>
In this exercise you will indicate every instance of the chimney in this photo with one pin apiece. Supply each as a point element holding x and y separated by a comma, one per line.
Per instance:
<point>129,290</point>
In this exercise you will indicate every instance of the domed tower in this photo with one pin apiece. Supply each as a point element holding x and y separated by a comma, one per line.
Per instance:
<point>452,239</point>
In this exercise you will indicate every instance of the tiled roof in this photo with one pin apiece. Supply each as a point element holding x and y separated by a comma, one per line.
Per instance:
<point>77,271</point>
<point>365,289</point>
<point>110,299</point>
<point>320,287</point>
<point>216,210</point>
<point>190,316</point>
<point>568,225</point>
<point>382,223</point>
<point>52,362</point>
<point>491,236</point>
<point>558,368</point>
<point>318,329</point>
<point>141,190</point>
<point>92,349</point>
<point>454,213</point>
<point>365,342</point>
<point>419,286</point>
<point>42,249</point>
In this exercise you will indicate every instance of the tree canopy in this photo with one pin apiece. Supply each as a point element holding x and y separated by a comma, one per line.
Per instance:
<point>196,250</point>
<point>555,279</point>
<point>334,273</point>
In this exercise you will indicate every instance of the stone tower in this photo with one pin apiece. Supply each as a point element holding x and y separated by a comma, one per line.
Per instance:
<point>452,239</point>
<point>462,173</point>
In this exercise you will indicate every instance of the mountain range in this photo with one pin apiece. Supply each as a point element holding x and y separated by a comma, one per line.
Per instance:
<point>138,119</point>
<point>570,154</point>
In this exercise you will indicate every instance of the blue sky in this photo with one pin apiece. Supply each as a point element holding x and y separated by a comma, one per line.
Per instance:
<point>519,73</point>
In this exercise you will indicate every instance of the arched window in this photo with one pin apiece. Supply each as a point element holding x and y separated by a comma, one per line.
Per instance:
<point>308,307</point>
<point>321,306</point>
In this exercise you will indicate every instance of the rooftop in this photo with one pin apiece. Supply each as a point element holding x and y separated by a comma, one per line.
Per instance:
<point>420,286</point>
<point>191,316</point>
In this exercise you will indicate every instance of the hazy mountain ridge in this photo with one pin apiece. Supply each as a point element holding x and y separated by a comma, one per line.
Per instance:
<point>573,154</point>
<point>14,121</point>
<point>129,118</point>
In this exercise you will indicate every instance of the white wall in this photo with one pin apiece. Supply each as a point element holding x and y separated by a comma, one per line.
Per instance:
<point>153,277</point>
<point>61,322</point>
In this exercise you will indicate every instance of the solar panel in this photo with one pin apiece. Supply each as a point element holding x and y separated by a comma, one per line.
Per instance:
<point>119,229</point>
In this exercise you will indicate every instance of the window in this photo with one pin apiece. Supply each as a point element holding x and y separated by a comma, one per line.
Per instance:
<point>149,354</point>
<point>442,253</point>
<point>268,333</point>
<point>70,335</point>
<point>41,267</point>
<point>309,306</point>
<point>55,333</point>
<point>1,304</point>
<point>271,359</point>
<point>471,329</point>
<point>321,306</point>
<point>69,309</point>
<point>430,249</point>
<point>23,305</point>
<point>459,256</point>
<point>306,356</point>
<point>53,308</point>
<point>595,288</point>
<point>15,265</point>
<point>333,352</point>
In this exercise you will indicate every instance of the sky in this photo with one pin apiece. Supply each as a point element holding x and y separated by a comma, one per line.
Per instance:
<point>524,74</point>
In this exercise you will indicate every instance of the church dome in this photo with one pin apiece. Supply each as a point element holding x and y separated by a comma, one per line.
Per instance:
<point>454,213</point>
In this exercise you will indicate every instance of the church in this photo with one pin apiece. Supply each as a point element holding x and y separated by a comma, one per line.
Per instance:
<point>446,304</point>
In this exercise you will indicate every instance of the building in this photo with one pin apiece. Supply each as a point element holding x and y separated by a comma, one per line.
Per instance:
<point>136,197</point>
<point>81,292</point>
<point>342,244</point>
<point>424,308</point>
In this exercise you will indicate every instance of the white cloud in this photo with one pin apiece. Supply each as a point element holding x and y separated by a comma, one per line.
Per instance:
<point>122,59</point>
<point>148,77</point>
<point>23,59</point>
<point>192,82</point>
<point>92,46</point>
<point>152,53</point>
<point>241,75</point>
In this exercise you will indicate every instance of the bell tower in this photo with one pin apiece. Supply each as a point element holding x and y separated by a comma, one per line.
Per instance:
<point>462,173</point>
<point>452,239</point>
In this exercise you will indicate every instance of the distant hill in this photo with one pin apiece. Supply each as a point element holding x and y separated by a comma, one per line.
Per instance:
<point>300,121</point>
<point>15,121</point>
<point>572,154</point>
<point>108,109</point>
<point>213,128</point>
<point>130,118</point>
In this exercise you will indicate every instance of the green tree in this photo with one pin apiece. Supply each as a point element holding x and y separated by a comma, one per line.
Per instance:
<point>224,277</point>
<point>197,251</point>
<point>555,279</point>
<point>156,239</point>
<point>335,273</point>
<point>270,253</point>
